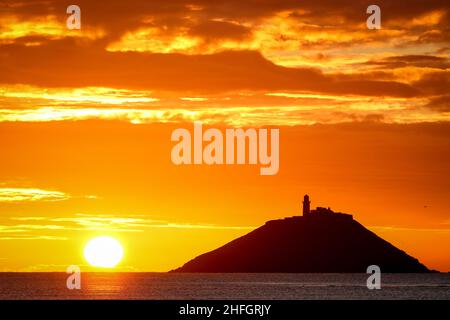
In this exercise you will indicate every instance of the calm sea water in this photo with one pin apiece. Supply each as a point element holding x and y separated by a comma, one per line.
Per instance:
<point>223,286</point>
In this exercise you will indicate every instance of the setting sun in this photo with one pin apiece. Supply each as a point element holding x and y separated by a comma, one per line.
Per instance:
<point>104,252</point>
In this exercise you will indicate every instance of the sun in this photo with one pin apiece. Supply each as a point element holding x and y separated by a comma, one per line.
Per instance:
<point>104,252</point>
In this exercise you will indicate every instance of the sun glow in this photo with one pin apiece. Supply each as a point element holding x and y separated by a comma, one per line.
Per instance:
<point>104,252</point>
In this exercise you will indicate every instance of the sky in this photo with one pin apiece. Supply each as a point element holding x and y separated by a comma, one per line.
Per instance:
<point>86,118</point>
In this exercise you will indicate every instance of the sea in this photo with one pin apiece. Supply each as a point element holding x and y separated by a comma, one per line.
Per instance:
<point>221,286</point>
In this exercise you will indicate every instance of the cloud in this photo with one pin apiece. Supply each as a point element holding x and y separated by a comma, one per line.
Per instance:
<point>32,237</point>
<point>434,36</point>
<point>441,104</point>
<point>434,83</point>
<point>106,13</point>
<point>421,61</point>
<point>264,25</point>
<point>218,30</point>
<point>35,31</point>
<point>285,108</point>
<point>225,71</point>
<point>289,115</point>
<point>85,222</point>
<point>49,228</point>
<point>30,194</point>
<point>137,53</point>
<point>76,113</point>
<point>443,50</point>
<point>72,96</point>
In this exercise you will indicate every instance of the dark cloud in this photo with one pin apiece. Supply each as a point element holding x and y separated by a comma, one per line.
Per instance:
<point>422,61</point>
<point>443,50</point>
<point>434,83</point>
<point>67,63</point>
<point>74,63</point>
<point>214,30</point>
<point>441,104</point>
<point>358,118</point>
<point>118,17</point>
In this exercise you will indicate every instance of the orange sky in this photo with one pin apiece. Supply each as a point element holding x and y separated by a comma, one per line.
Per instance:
<point>86,117</point>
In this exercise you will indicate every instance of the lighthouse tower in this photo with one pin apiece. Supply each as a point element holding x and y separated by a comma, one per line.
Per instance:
<point>306,205</point>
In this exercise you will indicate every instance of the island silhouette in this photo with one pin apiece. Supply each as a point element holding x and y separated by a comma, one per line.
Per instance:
<point>321,241</point>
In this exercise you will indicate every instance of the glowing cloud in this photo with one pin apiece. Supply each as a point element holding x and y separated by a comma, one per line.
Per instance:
<point>30,194</point>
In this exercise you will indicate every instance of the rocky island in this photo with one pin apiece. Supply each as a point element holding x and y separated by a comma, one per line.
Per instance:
<point>319,241</point>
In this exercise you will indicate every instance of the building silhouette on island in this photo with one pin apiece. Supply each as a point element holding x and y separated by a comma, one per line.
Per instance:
<point>318,214</point>
<point>321,211</point>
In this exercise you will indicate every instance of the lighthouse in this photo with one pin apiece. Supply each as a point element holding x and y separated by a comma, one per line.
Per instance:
<point>306,205</point>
